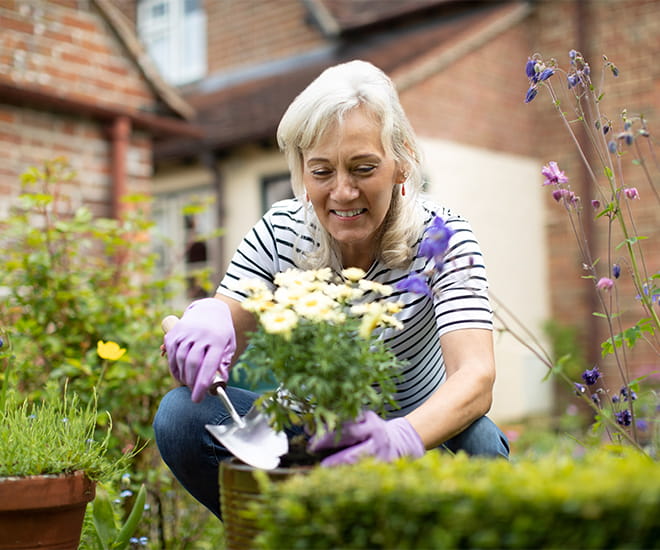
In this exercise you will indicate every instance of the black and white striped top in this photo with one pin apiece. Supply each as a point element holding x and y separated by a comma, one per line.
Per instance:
<point>460,298</point>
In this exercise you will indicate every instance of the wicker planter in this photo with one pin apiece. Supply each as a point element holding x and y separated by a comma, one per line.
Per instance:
<point>43,511</point>
<point>238,489</point>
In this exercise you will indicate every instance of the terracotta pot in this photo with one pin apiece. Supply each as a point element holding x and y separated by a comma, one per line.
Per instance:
<point>238,489</point>
<point>43,511</point>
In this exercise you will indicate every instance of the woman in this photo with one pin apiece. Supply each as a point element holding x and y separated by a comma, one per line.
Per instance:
<point>356,174</point>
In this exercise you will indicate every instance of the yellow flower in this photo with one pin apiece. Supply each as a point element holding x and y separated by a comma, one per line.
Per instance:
<point>353,274</point>
<point>109,350</point>
<point>279,321</point>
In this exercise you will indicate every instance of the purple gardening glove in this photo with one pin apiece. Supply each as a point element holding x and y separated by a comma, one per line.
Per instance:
<point>370,435</point>
<point>201,344</point>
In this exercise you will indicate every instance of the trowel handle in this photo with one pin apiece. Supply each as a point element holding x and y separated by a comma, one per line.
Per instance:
<point>218,385</point>
<point>219,390</point>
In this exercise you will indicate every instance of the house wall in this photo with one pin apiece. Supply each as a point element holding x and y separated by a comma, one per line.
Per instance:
<point>243,33</point>
<point>469,118</point>
<point>68,52</point>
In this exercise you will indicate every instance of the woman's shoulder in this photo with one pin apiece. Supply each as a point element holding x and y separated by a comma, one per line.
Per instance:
<point>431,209</point>
<point>285,212</point>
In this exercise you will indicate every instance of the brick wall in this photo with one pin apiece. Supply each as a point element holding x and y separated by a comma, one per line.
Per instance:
<point>66,51</point>
<point>241,33</point>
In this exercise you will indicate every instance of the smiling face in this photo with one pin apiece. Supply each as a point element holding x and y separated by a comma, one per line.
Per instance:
<point>348,178</point>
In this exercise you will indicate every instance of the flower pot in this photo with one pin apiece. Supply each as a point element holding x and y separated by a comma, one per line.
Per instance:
<point>43,511</point>
<point>238,489</point>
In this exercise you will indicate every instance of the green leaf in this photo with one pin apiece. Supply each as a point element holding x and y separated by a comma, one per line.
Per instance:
<point>104,520</point>
<point>631,241</point>
<point>628,336</point>
<point>132,521</point>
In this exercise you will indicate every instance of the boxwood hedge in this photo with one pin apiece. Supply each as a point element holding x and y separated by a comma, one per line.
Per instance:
<point>604,499</point>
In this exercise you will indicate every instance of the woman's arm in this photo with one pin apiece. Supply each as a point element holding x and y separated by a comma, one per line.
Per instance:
<point>467,393</point>
<point>243,320</point>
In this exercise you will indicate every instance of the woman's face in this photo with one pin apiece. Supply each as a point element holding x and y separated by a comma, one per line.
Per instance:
<point>348,178</point>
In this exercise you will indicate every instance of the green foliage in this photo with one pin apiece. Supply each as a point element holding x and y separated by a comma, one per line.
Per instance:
<point>108,532</point>
<point>605,499</point>
<point>54,435</point>
<point>567,353</point>
<point>71,280</point>
<point>68,280</point>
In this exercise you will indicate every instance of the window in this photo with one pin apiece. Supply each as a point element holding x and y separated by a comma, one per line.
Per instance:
<point>185,238</point>
<point>275,188</point>
<point>174,33</point>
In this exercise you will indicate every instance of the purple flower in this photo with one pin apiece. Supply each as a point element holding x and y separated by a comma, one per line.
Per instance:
<point>573,80</point>
<point>436,241</point>
<point>628,394</point>
<point>624,417</point>
<point>416,283</point>
<point>590,376</point>
<point>604,283</point>
<point>595,203</point>
<point>616,271</point>
<point>530,69</point>
<point>612,146</point>
<point>545,74</point>
<point>553,175</point>
<point>631,193</point>
<point>531,94</point>
<point>579,388</point>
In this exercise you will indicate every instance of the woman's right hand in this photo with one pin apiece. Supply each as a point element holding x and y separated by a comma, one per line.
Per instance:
<point>201,344</point>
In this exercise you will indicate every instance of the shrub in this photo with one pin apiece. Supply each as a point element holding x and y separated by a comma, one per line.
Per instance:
<point>605,499</point>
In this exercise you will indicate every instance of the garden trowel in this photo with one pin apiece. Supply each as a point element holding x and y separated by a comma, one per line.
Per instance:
<point>249,438</point>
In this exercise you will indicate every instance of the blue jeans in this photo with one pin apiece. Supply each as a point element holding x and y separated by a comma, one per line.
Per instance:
<point>194,455</point>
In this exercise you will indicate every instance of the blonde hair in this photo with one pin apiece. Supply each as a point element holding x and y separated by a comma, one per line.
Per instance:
<point>335,92</point>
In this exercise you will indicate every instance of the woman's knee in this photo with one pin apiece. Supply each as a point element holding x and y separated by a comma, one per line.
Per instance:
<point>481,438</point>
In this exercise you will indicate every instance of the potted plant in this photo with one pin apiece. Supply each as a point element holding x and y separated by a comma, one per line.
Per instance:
<point>318,337</point>
<point>50,463</point>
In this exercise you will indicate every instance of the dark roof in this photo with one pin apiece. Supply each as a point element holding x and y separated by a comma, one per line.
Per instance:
<point>342,16</point>
<point>250,111</point>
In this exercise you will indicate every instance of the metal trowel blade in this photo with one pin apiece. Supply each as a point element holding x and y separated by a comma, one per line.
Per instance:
<point>256,443</point>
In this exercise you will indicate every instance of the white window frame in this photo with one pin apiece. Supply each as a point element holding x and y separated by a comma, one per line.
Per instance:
<point>175,37</point>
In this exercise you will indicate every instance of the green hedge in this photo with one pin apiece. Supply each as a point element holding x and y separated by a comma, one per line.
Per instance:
<point>605,499</point>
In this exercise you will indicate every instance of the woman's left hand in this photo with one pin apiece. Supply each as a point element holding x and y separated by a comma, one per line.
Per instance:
<point>370,435</point>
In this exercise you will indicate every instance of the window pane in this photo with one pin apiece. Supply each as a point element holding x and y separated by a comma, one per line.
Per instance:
<point>191,6</point>
<point>159,10</point>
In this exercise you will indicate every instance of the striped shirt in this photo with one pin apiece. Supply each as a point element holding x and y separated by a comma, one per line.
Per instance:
<point>459,301</point>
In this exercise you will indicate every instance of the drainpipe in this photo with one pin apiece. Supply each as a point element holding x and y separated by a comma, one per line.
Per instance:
<point>210,161</point>
<point>584,43</point>
<point>120,135</point>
